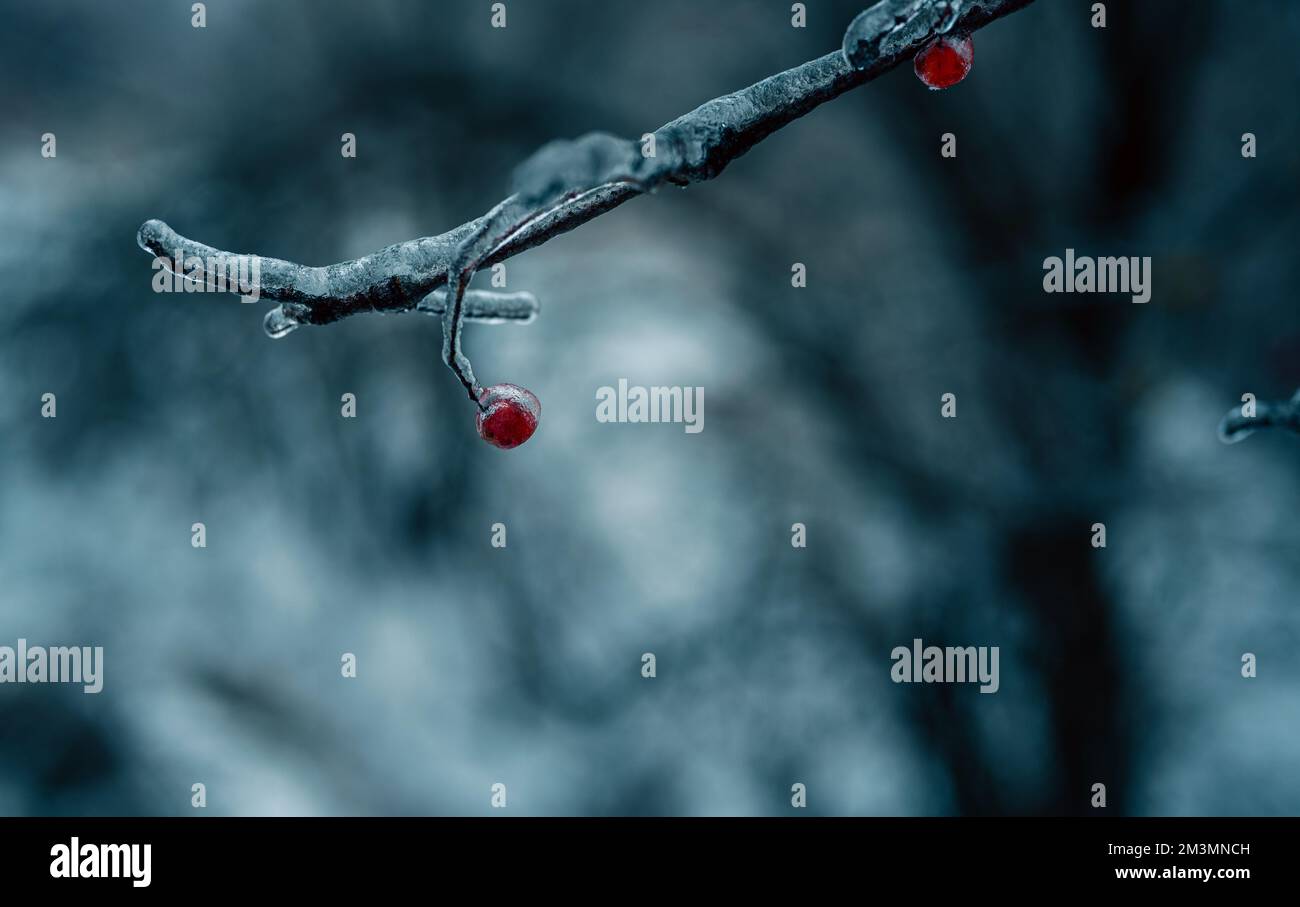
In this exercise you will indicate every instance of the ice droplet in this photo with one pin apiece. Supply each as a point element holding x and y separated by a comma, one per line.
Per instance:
<point>279,323</point>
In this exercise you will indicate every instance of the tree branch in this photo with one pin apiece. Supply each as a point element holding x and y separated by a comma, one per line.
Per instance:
<point>1237,426</point>
<point>567,183</point>
<point>396,278</point>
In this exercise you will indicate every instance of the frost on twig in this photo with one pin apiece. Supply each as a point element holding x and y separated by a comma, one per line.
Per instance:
<point>885,28</point>
<point>1237,425</point>
<point>561,174</point>
<point>483,306</point>
<point>567,183</point>
<point>486,306</point>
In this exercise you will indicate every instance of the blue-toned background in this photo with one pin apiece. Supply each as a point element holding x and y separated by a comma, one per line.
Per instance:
<point>522,665</point>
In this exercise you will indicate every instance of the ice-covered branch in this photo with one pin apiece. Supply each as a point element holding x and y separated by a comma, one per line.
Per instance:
<point>300,287</point>
<point>1239,423</point>
<point>694,147</point>
<point>566,184</point>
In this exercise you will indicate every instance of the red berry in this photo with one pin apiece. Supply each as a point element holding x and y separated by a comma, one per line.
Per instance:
<point>945,61</point>
<point>508,416</point>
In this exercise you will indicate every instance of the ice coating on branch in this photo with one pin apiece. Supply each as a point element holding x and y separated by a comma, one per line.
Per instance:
<point>568,183</point>
<point>481,306</point>
<point>486,307</point>
<point>892,25</point>
<point>1237,427</point>
<point>696,146</point>
<point>560,174</point>
<point>276,279</point>
<point>948,16</point>
<point>569,167</point>
<point>391,279</point>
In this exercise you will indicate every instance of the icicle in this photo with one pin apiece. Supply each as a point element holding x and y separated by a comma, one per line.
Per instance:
<point>278,323</point>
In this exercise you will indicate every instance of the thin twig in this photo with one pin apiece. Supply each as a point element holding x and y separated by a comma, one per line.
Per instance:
<point>1237,426</point>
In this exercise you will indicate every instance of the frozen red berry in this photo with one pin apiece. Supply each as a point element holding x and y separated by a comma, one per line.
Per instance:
<point>945,61</point>
<point>508,416</point>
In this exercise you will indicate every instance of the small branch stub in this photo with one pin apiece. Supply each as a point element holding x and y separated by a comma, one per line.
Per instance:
<point>1243,421</point>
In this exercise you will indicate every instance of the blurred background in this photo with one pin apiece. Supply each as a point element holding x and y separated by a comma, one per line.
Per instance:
<point>479,665</point>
